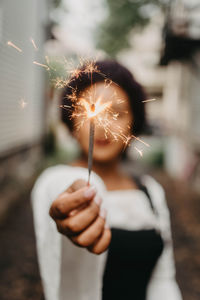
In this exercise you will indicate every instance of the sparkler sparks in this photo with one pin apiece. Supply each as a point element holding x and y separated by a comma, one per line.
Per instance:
<point>23,103</point>
<point>34,44</point>
<point>149,100</point>
<point>60,83</point>
<point>11,44</point>
<point>41,65</point>
<point>139,151</point>
<point>88,107</point>
<point>141,141</point>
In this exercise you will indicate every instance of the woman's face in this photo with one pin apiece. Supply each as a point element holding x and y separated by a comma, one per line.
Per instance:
<point>106,148</point>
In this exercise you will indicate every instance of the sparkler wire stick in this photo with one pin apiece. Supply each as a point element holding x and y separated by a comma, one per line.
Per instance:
<point>91,144</point>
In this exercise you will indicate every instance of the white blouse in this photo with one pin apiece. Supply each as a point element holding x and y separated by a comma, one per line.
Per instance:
<point>69,272</point>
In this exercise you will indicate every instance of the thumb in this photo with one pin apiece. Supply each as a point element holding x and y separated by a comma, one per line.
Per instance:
<point>76,185</point>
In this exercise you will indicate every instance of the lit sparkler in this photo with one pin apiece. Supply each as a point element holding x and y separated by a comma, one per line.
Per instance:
<point>96,112</point>
<point>92,112</point>
<point>9,43</point>
<point>99,113</point>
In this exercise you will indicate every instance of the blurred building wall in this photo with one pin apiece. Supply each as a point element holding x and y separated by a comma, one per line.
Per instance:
<point>22,94</point>
<point>182,89</point>
<point>21,80</point>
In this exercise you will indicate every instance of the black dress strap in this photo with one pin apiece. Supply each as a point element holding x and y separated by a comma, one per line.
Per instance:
<point>143,188</point>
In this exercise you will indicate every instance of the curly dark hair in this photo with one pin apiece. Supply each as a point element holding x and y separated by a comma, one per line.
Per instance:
<point>117,73</point>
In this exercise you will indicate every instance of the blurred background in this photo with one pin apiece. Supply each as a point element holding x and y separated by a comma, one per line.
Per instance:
<point>159,41</point>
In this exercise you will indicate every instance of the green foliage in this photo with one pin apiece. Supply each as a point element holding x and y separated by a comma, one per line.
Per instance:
<point>56,3</point>
<point>123,16</point>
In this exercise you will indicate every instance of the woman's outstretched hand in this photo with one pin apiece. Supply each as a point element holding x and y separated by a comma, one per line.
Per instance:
<point>78,216</point>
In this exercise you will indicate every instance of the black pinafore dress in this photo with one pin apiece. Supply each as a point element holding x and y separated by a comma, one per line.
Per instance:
<point>131,258</point>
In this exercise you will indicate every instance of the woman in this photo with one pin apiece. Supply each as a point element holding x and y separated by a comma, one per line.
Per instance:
<point>115,240</point>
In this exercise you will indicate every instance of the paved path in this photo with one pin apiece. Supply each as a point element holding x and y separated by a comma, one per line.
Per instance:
<point>184,206</point>
<point>19,276</point>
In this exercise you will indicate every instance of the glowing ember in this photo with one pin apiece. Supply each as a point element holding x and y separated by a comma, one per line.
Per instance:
<point>92,107</point>
<point>9,43</point>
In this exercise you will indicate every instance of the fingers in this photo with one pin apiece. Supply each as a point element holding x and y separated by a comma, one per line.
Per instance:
<point>91,234</point>
<point>102,243</point>
<point>67,202</point>
<point>81,220</point>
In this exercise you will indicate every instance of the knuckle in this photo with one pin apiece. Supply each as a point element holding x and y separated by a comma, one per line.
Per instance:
<point>108,236</point>
<point>59,228</point>
<point>51,212</point>
<point>100,226</point>
<point>83,242</point>
<point>107,241</point>
<point>76,202</point>
<point>94,209</point>
<point>59,208</point>
<point>97,250</point>
<point>79,183</point>
<point>72,225</point>
<point>54,211</point>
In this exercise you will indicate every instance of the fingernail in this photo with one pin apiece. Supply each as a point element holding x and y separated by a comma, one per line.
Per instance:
<point>103,213</point>
<point>97,200</point>
<point>90,192</point>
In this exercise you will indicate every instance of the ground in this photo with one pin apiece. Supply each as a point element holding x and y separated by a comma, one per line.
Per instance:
<point>19,275</point>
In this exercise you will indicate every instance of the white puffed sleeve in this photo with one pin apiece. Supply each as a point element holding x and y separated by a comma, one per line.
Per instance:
<point>48,241</point>
<point>163,283</point>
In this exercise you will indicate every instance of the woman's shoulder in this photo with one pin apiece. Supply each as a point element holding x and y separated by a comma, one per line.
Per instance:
<point>152,183</point>
<point>156,191</point>
<point>54,171</point>
<point>52,174</point>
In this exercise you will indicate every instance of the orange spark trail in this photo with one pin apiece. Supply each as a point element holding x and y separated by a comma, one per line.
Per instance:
<point>34,44</point>
<point>9,43</point>
<point>139,151</point>
<point>41,65</point>
<point>149,100</point>
<point>141,141</point>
